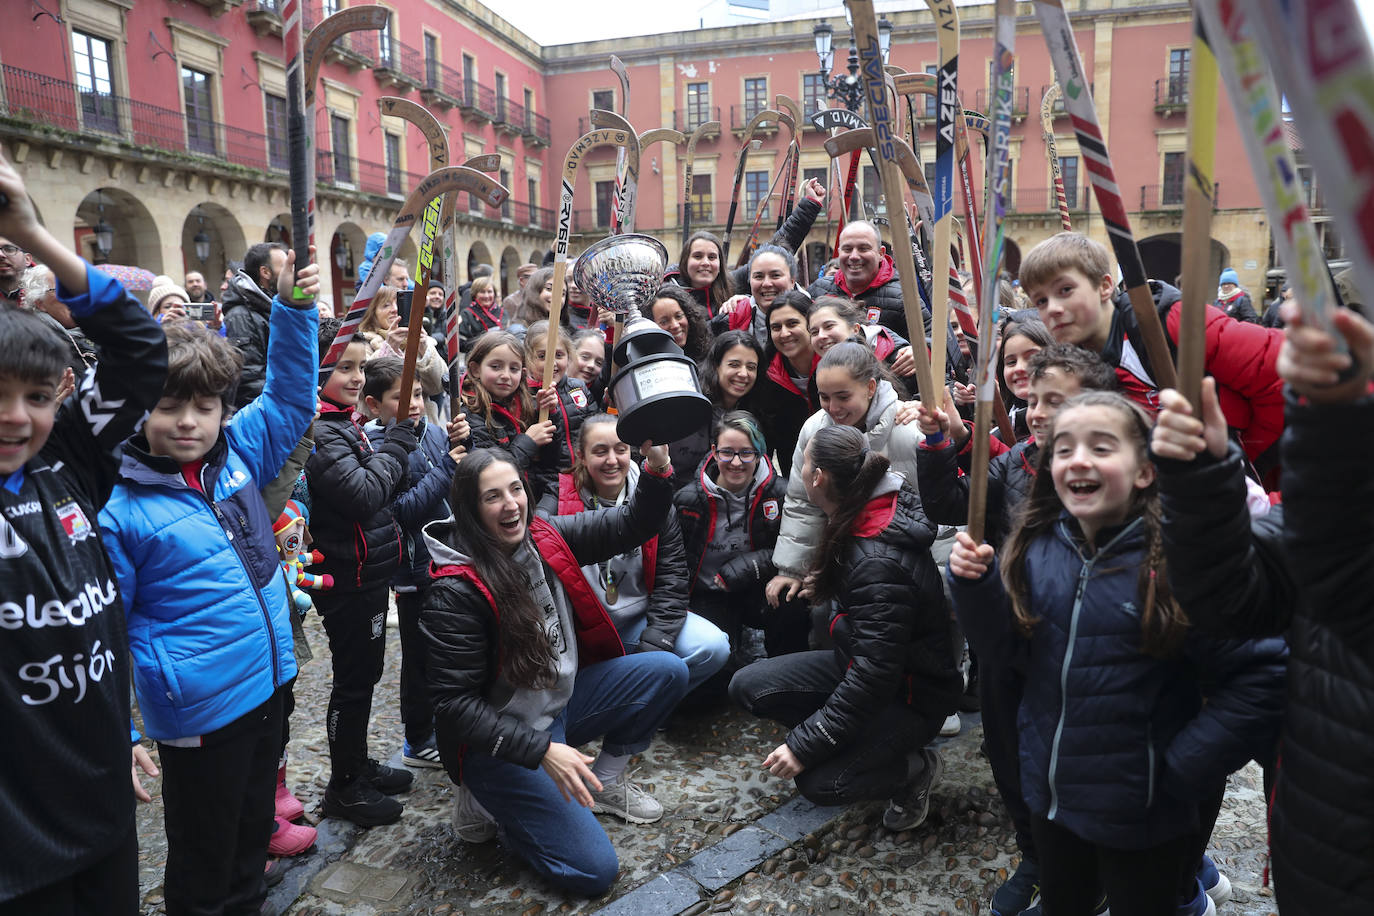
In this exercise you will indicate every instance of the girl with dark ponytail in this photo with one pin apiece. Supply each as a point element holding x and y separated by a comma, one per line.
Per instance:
<point>1123,764</point>
<point>525,666</point>
<point>861,715</point>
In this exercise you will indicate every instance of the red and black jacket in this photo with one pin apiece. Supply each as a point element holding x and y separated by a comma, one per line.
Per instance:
<point>783,409</point>
<point>697,508</point>
<point>460,620</point>
<point>476,321</point>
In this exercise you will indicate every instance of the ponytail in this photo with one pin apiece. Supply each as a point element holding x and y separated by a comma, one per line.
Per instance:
<point>855,471</point>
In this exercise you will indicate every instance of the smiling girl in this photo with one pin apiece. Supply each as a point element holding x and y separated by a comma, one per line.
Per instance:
<point>772,271</point>
<point>781,397</point>
<point>1118,749</point>
<point>499,407</point>
<point>674,310</point>
<point>1019,339</point>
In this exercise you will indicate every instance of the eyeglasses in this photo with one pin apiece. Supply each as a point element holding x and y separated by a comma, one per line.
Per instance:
<point>745,455</point>
<point>10,250</point>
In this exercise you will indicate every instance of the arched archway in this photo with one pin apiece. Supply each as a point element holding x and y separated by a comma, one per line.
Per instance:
<point>510,263</point>
<point>278,230</point>
<point>410,253</point>
<point>135,237</point>
<point>345,252</point>
<point>1011,257</point>
<point>1163,257</point>
<point>477,254</point>
<point>536,257</point>
<point>222,236</point>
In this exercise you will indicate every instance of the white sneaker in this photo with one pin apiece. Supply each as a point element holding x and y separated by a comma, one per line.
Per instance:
<point>626,801</point>
<point>470,822</point>
<point>951,726</point>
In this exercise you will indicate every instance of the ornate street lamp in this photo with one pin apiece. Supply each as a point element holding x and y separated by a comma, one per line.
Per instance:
<point>341,255</point>
<point>103,231</point>
<point>847,88</point>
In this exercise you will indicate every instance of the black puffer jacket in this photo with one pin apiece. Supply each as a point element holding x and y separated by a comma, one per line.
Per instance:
<point>1308,570</point>
<point>539,465</point>
<point>460,624</point>
<point>944,493</point>
<point>882,300</point>
<point>247,314</point>
<point>697,508</point>
<point>790,236</point>
<point>890,626</point>
<point>782,408</point>
<point>353,483</point>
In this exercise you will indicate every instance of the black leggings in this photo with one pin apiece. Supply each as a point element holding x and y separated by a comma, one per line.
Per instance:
<point>1138,882</point>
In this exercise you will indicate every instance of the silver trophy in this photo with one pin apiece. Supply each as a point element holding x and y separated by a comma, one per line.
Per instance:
<point>656,392</point>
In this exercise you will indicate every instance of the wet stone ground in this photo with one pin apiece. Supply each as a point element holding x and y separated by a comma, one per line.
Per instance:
<point>733,839</point>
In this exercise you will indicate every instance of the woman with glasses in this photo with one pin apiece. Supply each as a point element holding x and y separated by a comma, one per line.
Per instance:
<point>644,590</point>
<point>729,517</point>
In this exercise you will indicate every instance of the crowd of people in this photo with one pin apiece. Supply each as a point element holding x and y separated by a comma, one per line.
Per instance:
<point>1162,596</point>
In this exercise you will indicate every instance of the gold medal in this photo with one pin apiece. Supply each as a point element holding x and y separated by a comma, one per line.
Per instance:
<point>612,593</point>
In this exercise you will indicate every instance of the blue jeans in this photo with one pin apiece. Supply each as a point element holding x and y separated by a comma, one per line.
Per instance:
<point>701,644</point>
<point>625,700</point>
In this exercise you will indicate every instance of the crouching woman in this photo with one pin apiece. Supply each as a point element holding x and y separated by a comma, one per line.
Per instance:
<point>525,666</point>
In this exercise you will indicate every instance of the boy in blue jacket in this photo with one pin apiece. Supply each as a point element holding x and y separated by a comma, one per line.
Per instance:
<point>209,621</point>
<point>424,500</point>
<point>68,845</point>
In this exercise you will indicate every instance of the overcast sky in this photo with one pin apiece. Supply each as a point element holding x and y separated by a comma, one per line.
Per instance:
<point>560,22</point>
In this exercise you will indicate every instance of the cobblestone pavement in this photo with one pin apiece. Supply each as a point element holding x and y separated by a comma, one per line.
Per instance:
<point>734,839</point>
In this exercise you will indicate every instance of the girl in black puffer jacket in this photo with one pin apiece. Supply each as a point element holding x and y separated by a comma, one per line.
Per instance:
<point>502,412</point>
<point>890,681</point>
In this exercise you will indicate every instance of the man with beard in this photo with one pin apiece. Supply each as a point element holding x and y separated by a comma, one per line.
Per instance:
<point>247,308</point>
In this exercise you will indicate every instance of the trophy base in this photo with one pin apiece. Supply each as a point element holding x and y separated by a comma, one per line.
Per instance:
<point>664,418</point>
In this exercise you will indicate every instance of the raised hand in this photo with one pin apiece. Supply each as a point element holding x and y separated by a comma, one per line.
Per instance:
<point>969,560</point>
<point>1179,435</point>
<point>1310,362</point>
<point>307,279</point>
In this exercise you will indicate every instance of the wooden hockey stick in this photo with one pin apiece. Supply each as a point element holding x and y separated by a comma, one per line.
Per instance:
<point>1068,66</point>
<point>1052,95</point>
<point>755,122</point>
<point>589,141</point>
<point>788,105</point>
<point>687,174</point>
<point>880,112</point>
<point>1255,100</point>
<point>947,30</point>
<point>629,185</point>
<point>1199,197</point>
<point>623,75</point>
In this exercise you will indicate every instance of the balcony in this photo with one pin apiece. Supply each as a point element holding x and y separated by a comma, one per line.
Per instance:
<point>355,50</point>
<point>264,16</point>
<point>1057,110</point>
<point>536,129</point>
<point>529,215</point>
<point>1171,96</point>
<point>1169,196</point>
<point>1020,102</point>
<point>218,7</point>
<point>443,85</point>
<point>478,102</point>
<point>398,64</point>
<point>510,116</point>
<point>741,115</point>
<point>690,119</point>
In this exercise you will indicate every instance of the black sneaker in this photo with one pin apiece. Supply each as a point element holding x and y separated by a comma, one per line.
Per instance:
<point>361,803</point>
<point>387,780</point>
<point>908,809</point>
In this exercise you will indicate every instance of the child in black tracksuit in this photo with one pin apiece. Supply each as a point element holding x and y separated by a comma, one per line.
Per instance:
<point>352,486</point>
<point>424,500</point>
<point>69,842</point>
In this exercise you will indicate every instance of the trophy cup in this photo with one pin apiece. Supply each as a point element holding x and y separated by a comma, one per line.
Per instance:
<point>656,390</point>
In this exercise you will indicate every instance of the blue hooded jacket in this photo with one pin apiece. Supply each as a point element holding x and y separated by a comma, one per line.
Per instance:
<point>374,245</point>
<point>206,600</point>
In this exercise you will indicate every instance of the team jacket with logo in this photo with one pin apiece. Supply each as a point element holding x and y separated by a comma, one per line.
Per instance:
<point>64,698</point>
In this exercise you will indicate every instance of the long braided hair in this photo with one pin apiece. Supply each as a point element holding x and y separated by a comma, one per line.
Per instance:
<point>1163,624</point>
<point>855,470</point>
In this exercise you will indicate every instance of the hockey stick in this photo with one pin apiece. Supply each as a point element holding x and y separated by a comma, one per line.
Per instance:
<point>789,159</point>
<point>1322,62</point>
<point>687,174</point>
<point>752,242</point>
<point>1068,66</point>
<point>619,69</point>
<point>304,55</point>
<point>994,211</point>
<point>451,179</point>
<point>1051,96</point>
<point>787,104</point>
<point>584,145</point>
<point>767,114</point>
<point>1256,103</point>
<point>947,28</point>
<point>875,93</point>
<point>1199,197</point>
<point>629,185</point>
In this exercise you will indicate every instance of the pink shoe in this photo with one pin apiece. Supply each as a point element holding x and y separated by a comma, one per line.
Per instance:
<point>290,839</point>
<point>289,807</point>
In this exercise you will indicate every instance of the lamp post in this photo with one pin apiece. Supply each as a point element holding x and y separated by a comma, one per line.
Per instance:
<point>102,231</point>
<point>847,88</point>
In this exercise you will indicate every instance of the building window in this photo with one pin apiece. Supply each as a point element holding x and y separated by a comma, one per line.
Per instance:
<point>932,100</point>
<point>469,80</point>
<point>330,7</point>
<point>431,61</point>
<point>818,174</point>
<point>813,94</point>
<point>872,187</point>
<point>91,60</point>
<point>200,122</point>
<point>1068,171</point>
<point>605,202</point>
<point>529,110</point>
<point>604,100</point>
<point>393,163</point>
<point>278,147</point>
<point>701,199</point>
<point>755,190</point>
<point>384,41</point>
<point>338,138</point>
<point>501,98</point>
<point>504,176</point>
<point>1179,65</point>
<point>1171,194</point>
<point>929,166</point>
<point>698,105</point>
<point>755,96</point>
<point>532,195</point>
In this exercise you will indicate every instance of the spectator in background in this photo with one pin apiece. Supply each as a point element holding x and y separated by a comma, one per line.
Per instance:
<point>1233,300</point>
<point>195,287</point>
<point>1271,317</point>
<point>374,245</point>
<point>511,304</point>
<point>399,275</point>
<point>13,262</point>
<point>167,301</point>
<point>247,307</point>
<point>465,291</point>
<point>40,294</point>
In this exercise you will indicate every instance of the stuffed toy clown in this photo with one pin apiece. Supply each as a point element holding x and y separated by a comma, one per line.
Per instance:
<point>290,532</point>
